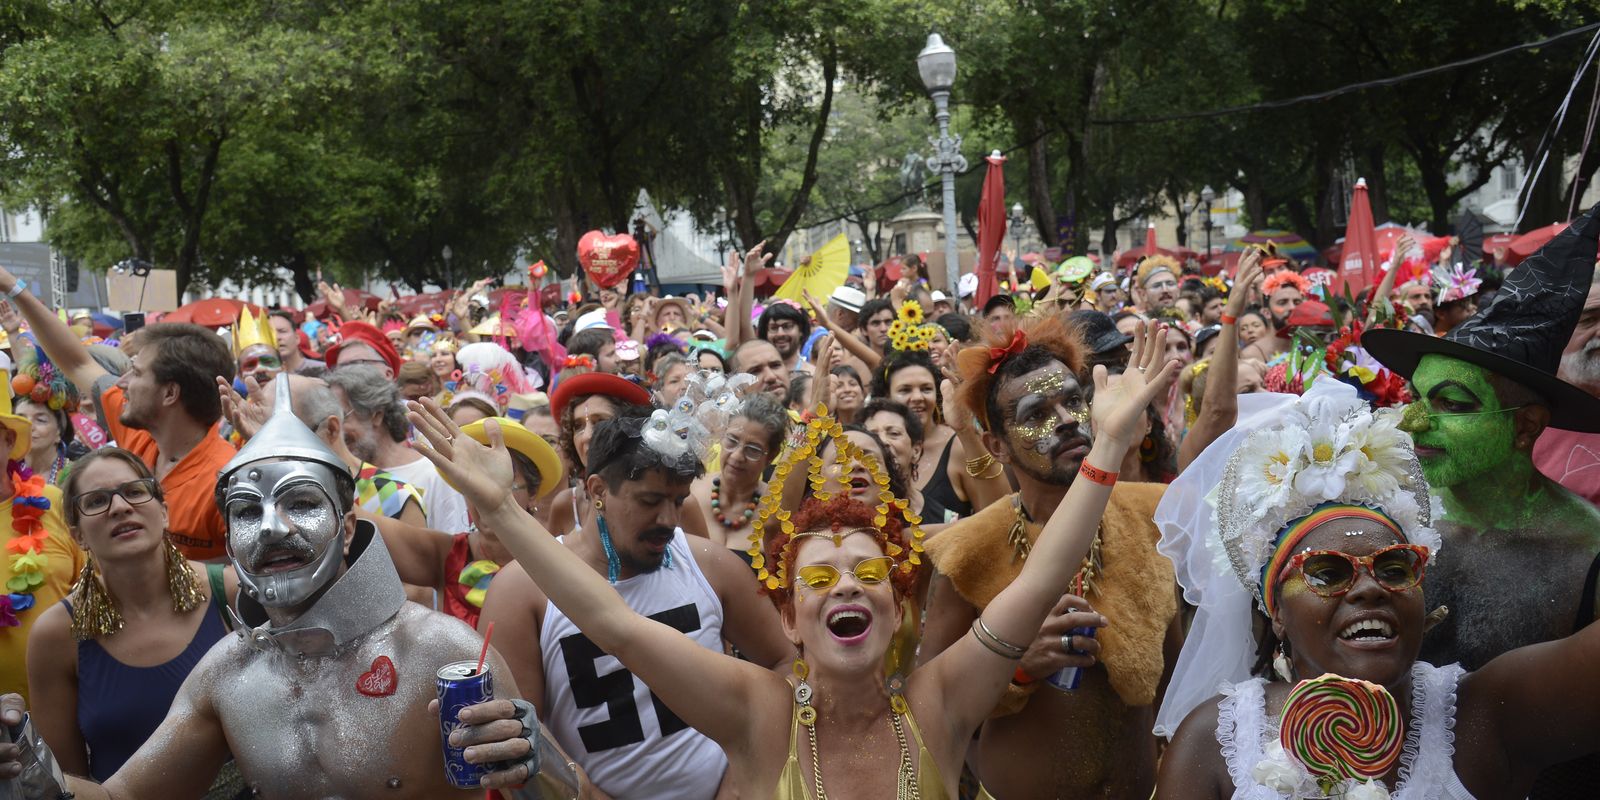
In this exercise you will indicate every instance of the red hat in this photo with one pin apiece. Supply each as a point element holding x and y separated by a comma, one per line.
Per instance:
<point>305,346</point>
<point>365,334</point>
<point>591,383</point>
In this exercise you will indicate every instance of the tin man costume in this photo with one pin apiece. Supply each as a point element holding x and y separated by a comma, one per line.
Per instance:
<point>325,690</point>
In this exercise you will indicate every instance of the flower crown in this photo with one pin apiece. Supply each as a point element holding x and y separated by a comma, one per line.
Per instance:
<point>1329,447</point>
<point>910,330</point>
<point>496,385</point>
<point>820,428</point>
<point>1285,277</point>
<point>1455,284</point>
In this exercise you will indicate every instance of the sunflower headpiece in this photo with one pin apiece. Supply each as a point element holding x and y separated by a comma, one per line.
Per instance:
<point>911,330</point>
<point>889,513</point>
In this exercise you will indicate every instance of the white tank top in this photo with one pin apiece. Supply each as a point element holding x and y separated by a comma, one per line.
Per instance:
<point>1427,769</point>
<point>629,742</point>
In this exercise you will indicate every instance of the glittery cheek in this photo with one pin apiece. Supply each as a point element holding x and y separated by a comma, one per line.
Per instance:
<point>244,528</point>
<point>1473,445</point>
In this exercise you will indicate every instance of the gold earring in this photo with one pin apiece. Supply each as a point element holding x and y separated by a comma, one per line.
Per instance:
<point>96,612</point>
<point>600,505</point>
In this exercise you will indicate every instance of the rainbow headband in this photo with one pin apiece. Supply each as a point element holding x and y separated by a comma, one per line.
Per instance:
<point>1289,538</point>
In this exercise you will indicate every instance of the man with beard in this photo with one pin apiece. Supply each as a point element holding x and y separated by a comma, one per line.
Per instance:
<point>1570,458</point>
<point>627,741</point>
<point>759,358</point>
<point>375,430</point>
<point>326,688</point>
<point>1156,285</point>
<point>164,409</point>
<point>1522,559</point>
<point>1035,413</point>
<point>1416,297</point>
<point>786,327</point>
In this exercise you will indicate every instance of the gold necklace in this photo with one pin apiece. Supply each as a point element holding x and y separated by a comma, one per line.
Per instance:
<point>1092,566</point>
<point>905,783</point>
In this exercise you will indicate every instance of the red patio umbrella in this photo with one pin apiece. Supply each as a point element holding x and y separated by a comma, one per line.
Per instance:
<point>1497,241</point>
<point>1358,259</point>
<point>212,312</point>
<point>413,305</point>
<point>1529,243</point>
<point>769,279</point>
<point>992,222</point>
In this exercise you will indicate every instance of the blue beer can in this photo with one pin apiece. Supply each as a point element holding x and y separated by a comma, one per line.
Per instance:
<point>1068,678</point>
<point>460,685</point>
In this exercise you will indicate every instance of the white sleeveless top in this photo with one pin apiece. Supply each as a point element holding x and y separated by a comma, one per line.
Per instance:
<point>629,742</point>
<point>1427,769</point>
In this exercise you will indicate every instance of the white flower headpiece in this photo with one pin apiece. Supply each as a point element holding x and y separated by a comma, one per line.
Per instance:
<point>1328,447</point>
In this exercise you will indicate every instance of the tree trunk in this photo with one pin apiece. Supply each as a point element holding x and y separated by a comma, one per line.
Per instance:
<point>808,176</point>
<point>300,275</point>
<point>1377,176</point>
<point>1044,210</point>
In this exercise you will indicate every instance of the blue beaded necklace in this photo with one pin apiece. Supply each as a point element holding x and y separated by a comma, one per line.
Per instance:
<point>614,564</point>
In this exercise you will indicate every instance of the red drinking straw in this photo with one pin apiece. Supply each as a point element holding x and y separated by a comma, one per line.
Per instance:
<point>483,654</point>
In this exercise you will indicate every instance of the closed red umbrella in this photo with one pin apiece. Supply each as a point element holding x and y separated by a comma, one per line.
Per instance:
<point>992,222</point>
<point>1529,243</point>
<point>212,312</point>
<point>1358,260</point>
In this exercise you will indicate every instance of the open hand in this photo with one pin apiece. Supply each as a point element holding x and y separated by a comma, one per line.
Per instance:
<point>481,473</point>
<point>246,415</point>
<point>1248,273</point>
<point>756,259</point>
<point>1119,401</point>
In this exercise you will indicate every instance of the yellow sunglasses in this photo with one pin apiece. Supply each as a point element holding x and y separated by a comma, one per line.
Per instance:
<point>869,572</point>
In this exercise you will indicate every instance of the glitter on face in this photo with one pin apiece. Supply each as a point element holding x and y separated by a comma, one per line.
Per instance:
<point>1049,383</point>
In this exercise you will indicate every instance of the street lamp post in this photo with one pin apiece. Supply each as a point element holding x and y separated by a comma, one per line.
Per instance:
<point>1206,196</point>
<point>1016,244</point>
<point>937,65</point>
<point>449,282</point>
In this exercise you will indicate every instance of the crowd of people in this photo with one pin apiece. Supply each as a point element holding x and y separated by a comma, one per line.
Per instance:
<point>1154,533</point>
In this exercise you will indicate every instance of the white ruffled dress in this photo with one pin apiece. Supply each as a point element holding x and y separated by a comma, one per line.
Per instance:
<point>1427,769</point>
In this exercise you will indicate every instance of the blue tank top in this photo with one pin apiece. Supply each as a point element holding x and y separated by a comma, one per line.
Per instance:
<point>119,706</point>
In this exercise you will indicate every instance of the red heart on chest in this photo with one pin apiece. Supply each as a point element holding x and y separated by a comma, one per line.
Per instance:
<point>380,680</point>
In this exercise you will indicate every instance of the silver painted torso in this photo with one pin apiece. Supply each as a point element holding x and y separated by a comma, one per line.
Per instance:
<point>299,729</point>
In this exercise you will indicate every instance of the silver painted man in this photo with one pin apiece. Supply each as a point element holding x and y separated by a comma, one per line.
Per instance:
<point>326,690</point>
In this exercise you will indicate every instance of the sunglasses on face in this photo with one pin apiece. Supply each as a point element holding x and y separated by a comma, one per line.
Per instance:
<point>869,572</point>
<point>1330,573</point>
<point>97,502</point>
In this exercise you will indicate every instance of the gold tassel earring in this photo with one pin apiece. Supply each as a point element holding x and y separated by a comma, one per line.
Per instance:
<point>182,582</point>
<point>94,612</point>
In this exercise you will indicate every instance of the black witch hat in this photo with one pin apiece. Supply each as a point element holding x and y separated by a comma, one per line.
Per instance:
<point>1521,333</point>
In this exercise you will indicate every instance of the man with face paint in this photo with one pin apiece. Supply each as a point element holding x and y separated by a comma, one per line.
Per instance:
<point>1525,552</point>
<point>1035,411</point>
<point>627,741</point>
<point>325,691</point>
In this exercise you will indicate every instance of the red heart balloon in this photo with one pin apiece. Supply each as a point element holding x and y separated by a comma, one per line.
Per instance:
<point>608,259</point>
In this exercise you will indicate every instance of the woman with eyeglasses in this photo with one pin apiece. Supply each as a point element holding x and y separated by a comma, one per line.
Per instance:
<point>728,498</point>
<point>106,662</point>
<point>1334,551</point>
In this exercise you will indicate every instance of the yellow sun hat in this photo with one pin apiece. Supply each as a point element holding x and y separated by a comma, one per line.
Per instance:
<point>552,473</point>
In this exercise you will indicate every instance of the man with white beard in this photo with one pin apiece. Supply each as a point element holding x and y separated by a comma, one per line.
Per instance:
<point>1570,458</point>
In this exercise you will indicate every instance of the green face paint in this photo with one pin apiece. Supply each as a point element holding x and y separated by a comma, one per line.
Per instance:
<point>1466,433</point>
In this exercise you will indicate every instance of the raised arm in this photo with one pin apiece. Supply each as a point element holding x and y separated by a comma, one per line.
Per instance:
<point>982,481</point>
<point>1219,407</point>
<point>1540,701</point>
<point>740,329</point>
<point>711,691</point>
<point>54,336</point>
<point>846,339</point>
<point>969,676</point>
<point>1381,296</point>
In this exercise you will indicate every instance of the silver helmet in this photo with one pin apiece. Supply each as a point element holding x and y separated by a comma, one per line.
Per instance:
<point>284,497</point>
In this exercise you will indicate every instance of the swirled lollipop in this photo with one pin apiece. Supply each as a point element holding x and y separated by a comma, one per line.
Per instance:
<point>1340,728</point>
